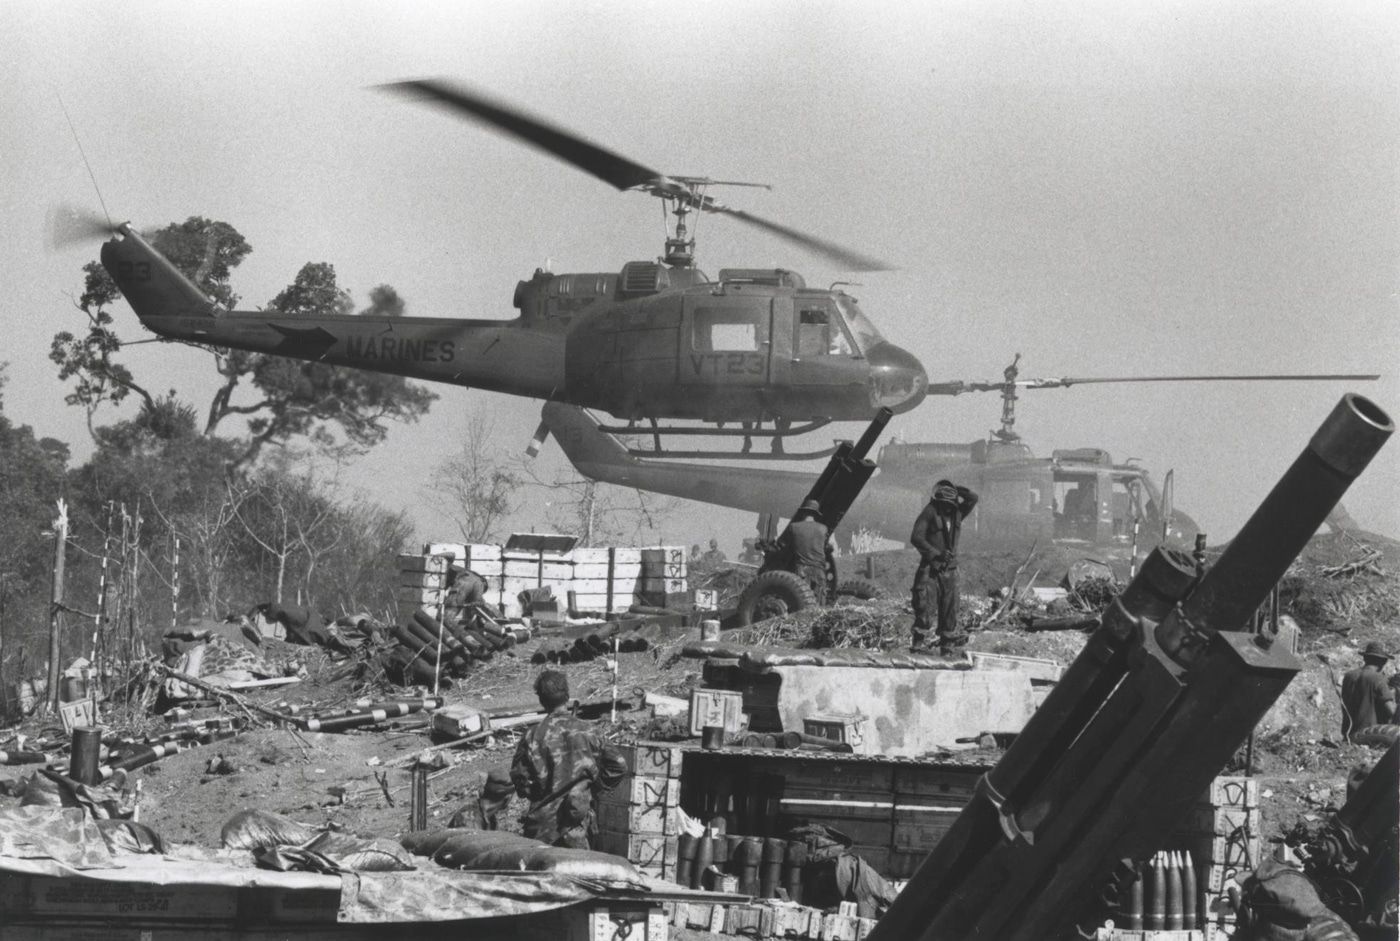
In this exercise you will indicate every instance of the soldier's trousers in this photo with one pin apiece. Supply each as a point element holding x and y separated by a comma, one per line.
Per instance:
<point>935,596</point>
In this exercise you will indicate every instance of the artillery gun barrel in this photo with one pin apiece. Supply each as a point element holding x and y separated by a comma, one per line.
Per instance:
<point>1237,584</point>
<point>1136,728</point>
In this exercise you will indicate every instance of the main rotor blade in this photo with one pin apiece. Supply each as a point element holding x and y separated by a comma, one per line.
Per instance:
<point>957,387</point>
<point>604,164</point>
<point>848,259</point>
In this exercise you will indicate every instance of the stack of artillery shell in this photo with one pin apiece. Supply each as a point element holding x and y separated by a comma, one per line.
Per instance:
<point>631,638</point>
<point>424,635</point>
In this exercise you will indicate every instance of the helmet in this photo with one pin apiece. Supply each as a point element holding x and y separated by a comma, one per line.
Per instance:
<point>945,492</point>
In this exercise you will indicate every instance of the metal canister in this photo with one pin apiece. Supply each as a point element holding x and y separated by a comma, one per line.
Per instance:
<point>719,850</point>
<point>72,689</point>
<point>732,853</point>
<point>685,859</point>
<point>750,857</point>
<point>709,630</point>
<point>771,867</point>
<point>794,859</point>
<point>82,762</point>
<point>712,737</point>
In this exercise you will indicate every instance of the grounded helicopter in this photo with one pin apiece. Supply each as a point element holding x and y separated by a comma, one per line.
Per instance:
<point>657,341</point>
<point>1075,497</point>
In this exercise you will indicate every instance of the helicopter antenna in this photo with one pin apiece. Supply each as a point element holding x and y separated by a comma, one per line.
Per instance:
<point>77,140</point>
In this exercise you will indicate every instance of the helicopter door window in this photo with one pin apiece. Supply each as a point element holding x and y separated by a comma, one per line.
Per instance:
<point>719,330</point>
<point>820,334</point>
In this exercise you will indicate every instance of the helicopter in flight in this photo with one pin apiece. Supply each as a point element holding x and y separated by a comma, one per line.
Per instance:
<point>1077,497</point>
<point>753,352</point>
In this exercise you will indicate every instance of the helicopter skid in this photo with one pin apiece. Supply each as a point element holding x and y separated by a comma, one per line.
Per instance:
<point>739,432</point>
<point>733,455</point>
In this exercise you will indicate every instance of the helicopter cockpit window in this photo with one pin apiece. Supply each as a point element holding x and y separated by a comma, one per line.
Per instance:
<point>725,330</point>
<point>861,328</point>
<point>819,333</point>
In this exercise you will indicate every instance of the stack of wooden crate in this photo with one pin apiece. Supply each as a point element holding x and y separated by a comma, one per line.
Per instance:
<point>422,582</point>
<point>638,819</point>
<point>603,580</point>
<point>1223,834</point>
<point>768,919</point>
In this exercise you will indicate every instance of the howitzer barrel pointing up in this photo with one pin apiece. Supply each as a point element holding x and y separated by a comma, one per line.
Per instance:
<point>1268,543</point>
<point>1136,729</point>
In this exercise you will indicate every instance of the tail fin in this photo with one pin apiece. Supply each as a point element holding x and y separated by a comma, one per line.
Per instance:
<point>582,441</point>
<point>150,283</point>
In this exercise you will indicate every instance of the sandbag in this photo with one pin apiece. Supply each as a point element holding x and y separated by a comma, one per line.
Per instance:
<point>128,836</point>
<point>253,829</point>
<point>495,851</point>
<point>361,855</point>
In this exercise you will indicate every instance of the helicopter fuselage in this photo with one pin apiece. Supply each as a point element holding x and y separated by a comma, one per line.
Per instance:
<point>651,342</point>
<point>1024,499</point>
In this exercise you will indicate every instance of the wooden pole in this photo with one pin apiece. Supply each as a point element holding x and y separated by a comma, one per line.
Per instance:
<point>60,539</point>
<point>175,587</point>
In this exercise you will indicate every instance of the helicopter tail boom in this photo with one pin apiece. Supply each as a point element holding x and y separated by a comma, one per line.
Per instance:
<point>153,286</point>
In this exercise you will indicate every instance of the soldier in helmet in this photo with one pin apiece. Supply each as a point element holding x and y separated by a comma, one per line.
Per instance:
<point>804,546</point>
<point>935,535</point>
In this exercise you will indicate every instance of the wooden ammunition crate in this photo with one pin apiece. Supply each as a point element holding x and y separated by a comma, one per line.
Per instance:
<point>645,790</point>
<point>925,781</point>
<point>590,922</point>
<point>637,818</point>
<point>652,759</point>
<point>1220,821</point>
<point>1232,792</point>
<point>642,849</point>
<point>919,828</point>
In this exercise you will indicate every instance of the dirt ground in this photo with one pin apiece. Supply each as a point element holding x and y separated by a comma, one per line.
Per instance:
<point>1342,592</point>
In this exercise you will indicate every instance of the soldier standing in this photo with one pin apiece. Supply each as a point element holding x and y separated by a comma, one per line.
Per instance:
<point>804,547</point>
<point>935,535</point>
<point>1367,699</point>
<point>559,766</point>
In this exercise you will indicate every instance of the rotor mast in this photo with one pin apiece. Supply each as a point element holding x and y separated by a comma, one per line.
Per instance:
<point>1006,433</point>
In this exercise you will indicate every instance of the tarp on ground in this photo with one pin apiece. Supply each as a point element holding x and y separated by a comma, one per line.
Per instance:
<point>427,895</point>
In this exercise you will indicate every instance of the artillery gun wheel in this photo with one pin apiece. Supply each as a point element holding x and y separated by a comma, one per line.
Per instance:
<point>1377,736</point>
<point>772,595</point>
<point>859,589</point>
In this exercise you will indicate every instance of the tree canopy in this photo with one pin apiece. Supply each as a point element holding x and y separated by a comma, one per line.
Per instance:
<point>281,400</point>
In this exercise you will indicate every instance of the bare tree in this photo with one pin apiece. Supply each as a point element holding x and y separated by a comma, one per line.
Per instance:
<point>476,485</point>
<point>598,513</point>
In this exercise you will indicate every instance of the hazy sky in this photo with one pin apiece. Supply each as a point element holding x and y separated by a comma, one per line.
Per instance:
<point>1106,188</point>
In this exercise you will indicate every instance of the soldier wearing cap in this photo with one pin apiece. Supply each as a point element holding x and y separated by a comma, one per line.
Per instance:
<point>1366,698</point>
<point>935,535</point>
<point>804,547</point>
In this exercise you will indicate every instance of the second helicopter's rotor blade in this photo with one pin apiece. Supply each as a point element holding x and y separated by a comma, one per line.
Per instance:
<point>850,260</point>
<point>1067,381</point>
<point>957,387</point>
<point>607,166</point>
